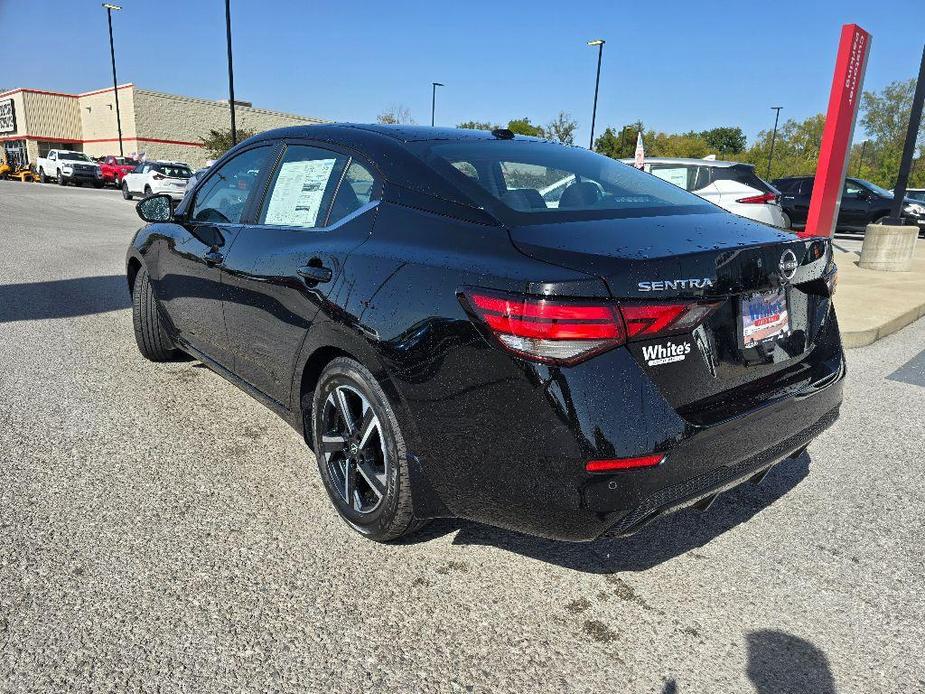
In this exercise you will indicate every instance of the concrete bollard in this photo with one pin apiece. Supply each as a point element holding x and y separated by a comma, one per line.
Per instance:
<point>888,248</point>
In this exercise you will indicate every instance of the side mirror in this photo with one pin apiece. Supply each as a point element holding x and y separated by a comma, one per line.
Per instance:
<point>156,208</point>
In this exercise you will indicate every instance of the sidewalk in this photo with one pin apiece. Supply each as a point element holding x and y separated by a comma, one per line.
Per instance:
<point>872,304</point>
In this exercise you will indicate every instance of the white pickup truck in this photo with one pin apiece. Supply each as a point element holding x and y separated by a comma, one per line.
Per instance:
<point>66,167</point>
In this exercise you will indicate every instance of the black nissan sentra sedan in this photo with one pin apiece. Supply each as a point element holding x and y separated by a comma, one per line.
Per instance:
<point>493,327</point>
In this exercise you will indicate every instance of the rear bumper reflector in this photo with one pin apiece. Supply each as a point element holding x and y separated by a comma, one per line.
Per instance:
<point>624,463</point>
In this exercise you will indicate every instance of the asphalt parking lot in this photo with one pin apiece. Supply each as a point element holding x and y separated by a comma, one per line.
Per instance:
<point>162,531</point>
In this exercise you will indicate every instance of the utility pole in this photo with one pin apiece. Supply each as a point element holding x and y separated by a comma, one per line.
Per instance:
<point>776,110</point>
<point>234,131</point>
<point>915,118</point>
<point>115,84</point>
<point>597,83</point>
<point>433,101</point>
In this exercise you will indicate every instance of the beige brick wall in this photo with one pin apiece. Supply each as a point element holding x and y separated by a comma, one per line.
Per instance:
<point>185,119</point>
<point>98,121</point>
<point>52,116</point>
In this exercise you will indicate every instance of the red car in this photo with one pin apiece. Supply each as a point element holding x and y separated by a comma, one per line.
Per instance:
<point>114,168</point>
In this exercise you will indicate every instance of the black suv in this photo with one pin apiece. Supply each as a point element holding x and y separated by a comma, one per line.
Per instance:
<point>862,203</point>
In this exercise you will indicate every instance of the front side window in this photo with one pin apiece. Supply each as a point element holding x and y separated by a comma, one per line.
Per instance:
<point>302,188</point>
<point>224,196</point>
<point>541,181</point>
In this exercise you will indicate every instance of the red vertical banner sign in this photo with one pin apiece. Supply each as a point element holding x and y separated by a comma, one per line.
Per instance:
<point>847,85</point>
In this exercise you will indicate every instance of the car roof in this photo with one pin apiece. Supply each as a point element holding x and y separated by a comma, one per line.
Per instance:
<point>719,163</point>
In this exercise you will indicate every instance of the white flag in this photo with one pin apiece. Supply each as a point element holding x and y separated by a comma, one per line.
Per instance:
<point>640,152</point>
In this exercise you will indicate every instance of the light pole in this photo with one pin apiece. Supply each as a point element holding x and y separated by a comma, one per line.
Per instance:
<point>234,132</point>
<point>433,101</point>
<point>597,83</point>
<point>115,85</point>
<point>776,110</point>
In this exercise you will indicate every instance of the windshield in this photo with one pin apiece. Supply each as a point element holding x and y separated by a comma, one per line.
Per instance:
<point>874,187</point>
<point>125,161</point>
<point>542,181</point>
<point>916,195</point>
<point>173,171</point>
<point>74,156</point>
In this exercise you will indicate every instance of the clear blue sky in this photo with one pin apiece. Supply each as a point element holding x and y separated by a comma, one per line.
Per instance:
<point>675,65</point>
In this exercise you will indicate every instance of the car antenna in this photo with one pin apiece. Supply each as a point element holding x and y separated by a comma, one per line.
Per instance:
<point>503,134</point>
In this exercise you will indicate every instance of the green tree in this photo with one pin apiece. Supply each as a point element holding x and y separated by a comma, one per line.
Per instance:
<point>562,129</point>
<point>523,126</point>
<point>478,125</point>
<point>724,140</point>
<point>886,120</point>
<point>619,144</point>
<point>217,142</point>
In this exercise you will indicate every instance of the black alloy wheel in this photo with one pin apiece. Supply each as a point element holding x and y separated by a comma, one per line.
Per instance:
<point>360,452</point>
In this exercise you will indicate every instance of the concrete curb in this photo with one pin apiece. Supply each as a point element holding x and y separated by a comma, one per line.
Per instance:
<point>862,338</point>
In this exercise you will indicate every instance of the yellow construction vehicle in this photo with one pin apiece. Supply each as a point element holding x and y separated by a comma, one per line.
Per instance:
<point>10,171</point>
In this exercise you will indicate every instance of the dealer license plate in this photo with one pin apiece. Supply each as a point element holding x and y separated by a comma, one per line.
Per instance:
<point>764,317</point>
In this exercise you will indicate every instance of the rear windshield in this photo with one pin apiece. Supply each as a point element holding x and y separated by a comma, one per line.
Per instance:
<point>173,171</point>
<point>541,181</point>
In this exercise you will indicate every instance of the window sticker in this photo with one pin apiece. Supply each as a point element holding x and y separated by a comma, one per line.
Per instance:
<point>296,198</point>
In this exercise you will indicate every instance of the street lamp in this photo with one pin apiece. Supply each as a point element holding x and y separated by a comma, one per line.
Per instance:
<point>234,132</point>
<point>776,110</point>
<point>433,101</point>
<point>115,85</point>
<point>597,82</point>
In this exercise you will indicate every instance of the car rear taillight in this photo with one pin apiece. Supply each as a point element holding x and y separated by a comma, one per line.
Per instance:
<point>645,321</point>
<point>612,464</point>
<point>158,177</point>
<point>763,199</point>
<point>563,331</point>
<point>549,330</point>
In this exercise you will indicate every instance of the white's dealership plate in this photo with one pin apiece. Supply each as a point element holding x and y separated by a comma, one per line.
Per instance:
<point>764,317</point>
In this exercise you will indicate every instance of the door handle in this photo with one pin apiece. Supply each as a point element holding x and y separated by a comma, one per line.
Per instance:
<point>315,273</point>
<point>213,258</point>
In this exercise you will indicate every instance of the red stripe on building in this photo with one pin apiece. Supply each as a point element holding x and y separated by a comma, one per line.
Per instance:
<point>109,139</point>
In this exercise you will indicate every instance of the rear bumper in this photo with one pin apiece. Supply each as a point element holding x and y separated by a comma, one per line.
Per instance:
<point>517,452</point>
<point>647,503</point>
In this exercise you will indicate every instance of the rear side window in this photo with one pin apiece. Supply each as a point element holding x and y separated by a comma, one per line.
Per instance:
<point>224,197</point>
<point>356,189</point>
<point>303,186</point>
<point>540,181</point>
<point>740,173</point>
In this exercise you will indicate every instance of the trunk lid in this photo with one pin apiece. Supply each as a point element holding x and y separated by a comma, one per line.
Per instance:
<point>719,258</point>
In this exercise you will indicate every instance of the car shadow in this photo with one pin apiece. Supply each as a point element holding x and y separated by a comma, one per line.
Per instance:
<point>664,539</point>
<point>780,662</point>
<point>63,298</point>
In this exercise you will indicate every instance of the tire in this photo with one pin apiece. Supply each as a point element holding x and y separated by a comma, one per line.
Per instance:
<point>42,177</point>
<point>61,181</point>
<point>380,511</point>
<point>148,191</point>
<point>153,341</point>
<point>787,223</point>
<point>126,195</point>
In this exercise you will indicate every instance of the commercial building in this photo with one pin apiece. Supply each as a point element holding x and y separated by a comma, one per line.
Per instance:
<point>162,126</point>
